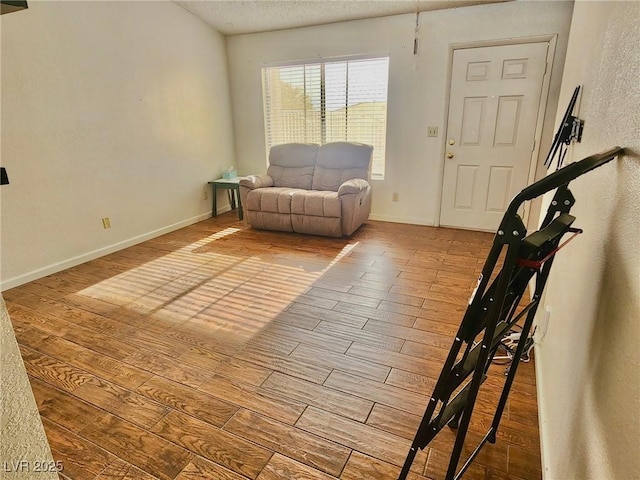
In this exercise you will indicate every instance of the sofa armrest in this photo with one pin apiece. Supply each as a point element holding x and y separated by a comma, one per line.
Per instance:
<point>355,185</point>
<point>256,181</point>
<point>355,203</point>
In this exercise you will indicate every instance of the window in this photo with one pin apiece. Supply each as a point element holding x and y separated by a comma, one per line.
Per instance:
<point>330,101</point>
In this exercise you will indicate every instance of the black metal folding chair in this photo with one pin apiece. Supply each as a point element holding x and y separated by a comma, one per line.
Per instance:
<point>493,311</point>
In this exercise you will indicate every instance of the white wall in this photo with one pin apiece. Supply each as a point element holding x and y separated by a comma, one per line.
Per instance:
<point>109,109</point>
<point>417,86</point>
<point>588,363</point>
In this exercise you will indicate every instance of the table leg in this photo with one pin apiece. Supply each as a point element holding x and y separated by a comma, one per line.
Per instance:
<point>240,215</point>
<point>233,198</point>
<point>214,209</point>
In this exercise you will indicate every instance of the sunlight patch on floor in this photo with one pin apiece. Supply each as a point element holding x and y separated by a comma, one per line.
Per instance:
<point>210,288</point>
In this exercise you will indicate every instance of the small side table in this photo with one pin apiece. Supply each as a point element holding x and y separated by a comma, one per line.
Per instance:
<point>231,184</point>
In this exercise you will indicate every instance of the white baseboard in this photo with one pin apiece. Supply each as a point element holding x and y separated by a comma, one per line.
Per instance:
<point>542,424</point>
<point>394,219</point>
<point>223,209</point>
<point>85,257</point>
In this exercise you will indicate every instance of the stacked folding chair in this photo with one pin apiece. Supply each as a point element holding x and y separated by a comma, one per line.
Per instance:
<point>514,260</point>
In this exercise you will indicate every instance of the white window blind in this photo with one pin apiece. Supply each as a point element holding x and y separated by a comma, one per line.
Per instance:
<point>328,101</point>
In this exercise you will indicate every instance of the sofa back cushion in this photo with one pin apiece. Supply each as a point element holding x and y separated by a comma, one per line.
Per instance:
<point>292,165</point>
<point>341,161</point>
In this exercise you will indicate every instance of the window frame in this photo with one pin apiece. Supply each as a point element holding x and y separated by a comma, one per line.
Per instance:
<point>321,61</point>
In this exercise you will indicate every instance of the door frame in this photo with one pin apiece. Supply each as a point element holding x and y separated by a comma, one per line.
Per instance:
<point>544,98</point>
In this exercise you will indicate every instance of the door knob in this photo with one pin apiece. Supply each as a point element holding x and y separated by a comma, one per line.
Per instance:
<point>449,155</point>
<point>451,142</point>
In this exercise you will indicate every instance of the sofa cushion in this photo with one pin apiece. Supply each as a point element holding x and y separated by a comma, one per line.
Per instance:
<point>270,221</point>
<point>271,199</point>
<point>292,165</point>
<point>327,226</point>
<point>341,161</point>
<point>316,203</point>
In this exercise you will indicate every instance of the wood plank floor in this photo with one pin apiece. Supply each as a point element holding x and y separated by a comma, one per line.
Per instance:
<point>222,352</point>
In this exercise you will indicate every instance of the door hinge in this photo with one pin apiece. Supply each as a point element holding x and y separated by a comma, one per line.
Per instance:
<point>534,145</point>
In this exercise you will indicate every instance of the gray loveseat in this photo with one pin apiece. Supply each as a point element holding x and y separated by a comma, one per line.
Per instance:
<point>320,190</point>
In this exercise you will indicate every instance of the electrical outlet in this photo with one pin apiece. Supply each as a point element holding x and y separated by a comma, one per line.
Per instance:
<point>394,197</point>
<point>106,223</point>
<point>432,131</point>
<point>205,192</point>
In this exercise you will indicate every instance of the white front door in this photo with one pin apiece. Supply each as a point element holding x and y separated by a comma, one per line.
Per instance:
<point>491,130</point>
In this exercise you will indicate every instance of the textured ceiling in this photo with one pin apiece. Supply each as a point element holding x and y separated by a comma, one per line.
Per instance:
<point>233,17</point>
